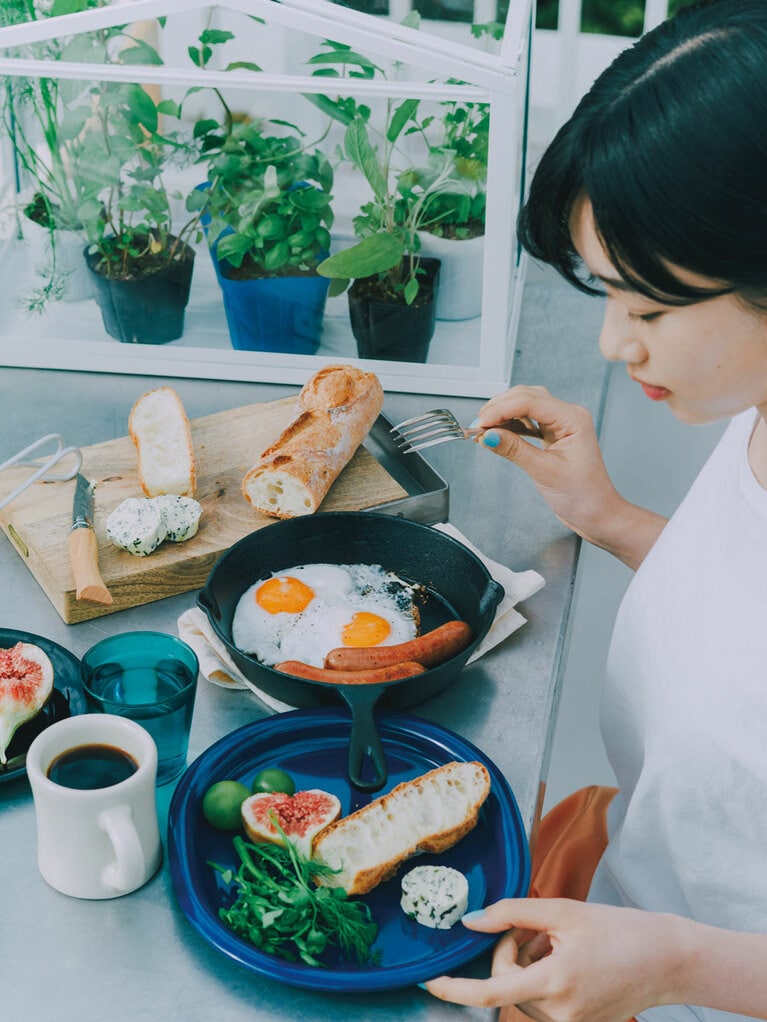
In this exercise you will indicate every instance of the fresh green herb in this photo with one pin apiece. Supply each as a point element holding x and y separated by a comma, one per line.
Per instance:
<point>279,909</point>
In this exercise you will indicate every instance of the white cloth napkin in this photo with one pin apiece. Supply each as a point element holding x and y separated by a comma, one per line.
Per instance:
<point>217,666</point>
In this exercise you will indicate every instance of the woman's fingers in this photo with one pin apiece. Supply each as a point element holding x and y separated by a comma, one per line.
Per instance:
<point>515,986</point>
<point>556,417</point>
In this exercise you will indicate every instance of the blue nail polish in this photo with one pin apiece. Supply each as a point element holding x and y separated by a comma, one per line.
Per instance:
<point>474,423</point>
<point>490,439</point>
<point>422,986</point>
<point>470,917</point>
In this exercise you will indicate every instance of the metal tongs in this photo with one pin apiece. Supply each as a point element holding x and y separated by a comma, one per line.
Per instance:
<point>42,467</point>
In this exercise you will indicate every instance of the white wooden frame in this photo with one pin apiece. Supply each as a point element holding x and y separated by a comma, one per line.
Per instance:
<point>495,79</point>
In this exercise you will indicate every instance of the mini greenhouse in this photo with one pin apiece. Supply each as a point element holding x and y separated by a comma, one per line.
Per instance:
<point>253,189</point>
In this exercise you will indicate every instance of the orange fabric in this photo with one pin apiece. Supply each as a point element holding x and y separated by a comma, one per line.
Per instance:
<point>571,840</point>
<point>570,843</point>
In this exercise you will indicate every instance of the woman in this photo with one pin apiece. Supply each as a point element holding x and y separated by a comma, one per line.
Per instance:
<point>655,194</point>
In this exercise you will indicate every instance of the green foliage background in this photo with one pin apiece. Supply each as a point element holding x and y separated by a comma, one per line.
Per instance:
<point>611,17</point>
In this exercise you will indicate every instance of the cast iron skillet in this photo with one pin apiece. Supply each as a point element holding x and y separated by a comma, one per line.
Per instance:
<point>457,582</point>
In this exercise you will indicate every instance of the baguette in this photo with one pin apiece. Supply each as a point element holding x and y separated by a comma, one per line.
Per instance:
<point>428,814</point>
<point>159,427</point>
<point>334,413</point>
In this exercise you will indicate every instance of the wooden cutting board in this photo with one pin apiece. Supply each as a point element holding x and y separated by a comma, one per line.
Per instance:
<point>226,445</point>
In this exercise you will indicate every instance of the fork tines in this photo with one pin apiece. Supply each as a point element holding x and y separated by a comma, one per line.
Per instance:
<point>434,427</point>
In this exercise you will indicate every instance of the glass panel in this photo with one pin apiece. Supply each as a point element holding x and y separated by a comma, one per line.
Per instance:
<point>189,188</point>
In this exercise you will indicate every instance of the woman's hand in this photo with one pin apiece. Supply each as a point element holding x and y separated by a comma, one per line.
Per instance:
<point>566,961</point>
<point>568,470</point>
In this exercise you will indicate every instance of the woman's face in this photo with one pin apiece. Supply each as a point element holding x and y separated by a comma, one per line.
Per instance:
<point>706,361</point>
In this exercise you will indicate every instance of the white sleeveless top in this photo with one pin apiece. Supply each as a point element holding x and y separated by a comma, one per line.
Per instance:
<point>684,713</point>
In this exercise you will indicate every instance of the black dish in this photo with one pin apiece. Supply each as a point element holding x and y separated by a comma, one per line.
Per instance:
<point>457,583</point>
<point>67,698</point>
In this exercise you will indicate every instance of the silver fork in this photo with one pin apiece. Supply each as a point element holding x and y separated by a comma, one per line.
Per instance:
<point>440,426</point>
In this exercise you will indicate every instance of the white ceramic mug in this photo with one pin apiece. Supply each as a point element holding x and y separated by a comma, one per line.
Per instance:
<point>96,842</point>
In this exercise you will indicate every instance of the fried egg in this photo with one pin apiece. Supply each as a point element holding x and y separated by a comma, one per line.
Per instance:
<point>302,613</point>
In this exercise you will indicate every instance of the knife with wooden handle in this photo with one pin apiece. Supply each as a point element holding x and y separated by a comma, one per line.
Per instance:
<point>83,550</point>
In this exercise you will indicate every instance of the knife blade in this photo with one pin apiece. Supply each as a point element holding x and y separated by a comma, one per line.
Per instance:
<point>83,550</point>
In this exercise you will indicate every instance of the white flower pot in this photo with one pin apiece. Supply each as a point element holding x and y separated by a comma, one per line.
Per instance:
<point>70,263</point>
<point>460,282</point>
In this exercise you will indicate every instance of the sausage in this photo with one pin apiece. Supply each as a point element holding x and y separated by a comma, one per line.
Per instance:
<point>392,672</point>
<point>430,649</point>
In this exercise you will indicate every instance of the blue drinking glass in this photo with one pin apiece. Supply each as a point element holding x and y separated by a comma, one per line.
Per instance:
<point>150,677</point>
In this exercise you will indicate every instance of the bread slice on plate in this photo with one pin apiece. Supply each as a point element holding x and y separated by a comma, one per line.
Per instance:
<point>428,814</point>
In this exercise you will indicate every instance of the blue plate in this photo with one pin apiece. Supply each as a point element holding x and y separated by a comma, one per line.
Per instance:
<point>312,746</point>
<point>67,698</point>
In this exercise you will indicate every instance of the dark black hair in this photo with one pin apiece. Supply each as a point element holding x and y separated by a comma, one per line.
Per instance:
<point>670,147</point>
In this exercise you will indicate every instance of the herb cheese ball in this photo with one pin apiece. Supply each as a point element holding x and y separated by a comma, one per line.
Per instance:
<point>435,896</point>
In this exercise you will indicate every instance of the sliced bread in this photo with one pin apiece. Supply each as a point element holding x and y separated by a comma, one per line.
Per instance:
<point>428,814</point>
<point>159,427</point>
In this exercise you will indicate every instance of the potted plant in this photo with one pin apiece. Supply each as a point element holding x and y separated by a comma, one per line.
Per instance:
<point>454,229</point>
<point>392,300</point>
<point>266,209</point>
<point>267,212</point>
<point>34,119</point>
<point>140,265</point>
<point>96,153</point>
<point>394,287</point>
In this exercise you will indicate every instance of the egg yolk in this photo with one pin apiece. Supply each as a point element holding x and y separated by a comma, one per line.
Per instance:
<point>284,594</point>
<point>365,629</point>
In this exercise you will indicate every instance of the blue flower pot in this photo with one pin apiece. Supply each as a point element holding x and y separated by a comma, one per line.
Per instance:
<point>274,313</point>
<point>271,313</point>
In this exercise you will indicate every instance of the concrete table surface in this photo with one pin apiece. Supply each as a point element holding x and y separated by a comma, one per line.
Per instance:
<point>137,959</point>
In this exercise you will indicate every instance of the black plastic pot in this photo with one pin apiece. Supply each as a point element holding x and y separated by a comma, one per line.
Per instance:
<point>148,310</point>
<point>391,330</point>
<point>458,585</point>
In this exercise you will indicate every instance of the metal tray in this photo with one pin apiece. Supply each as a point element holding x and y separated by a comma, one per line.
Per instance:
<point>428,499</point>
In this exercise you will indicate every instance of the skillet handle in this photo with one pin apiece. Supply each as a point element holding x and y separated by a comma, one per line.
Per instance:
<point>364,741</point>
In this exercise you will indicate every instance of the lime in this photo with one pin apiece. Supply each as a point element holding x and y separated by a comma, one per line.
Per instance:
<point>273,779</point>
<point>222,802</point>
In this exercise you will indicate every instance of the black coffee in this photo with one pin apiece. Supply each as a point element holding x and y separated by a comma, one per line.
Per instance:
<point>92,766</point>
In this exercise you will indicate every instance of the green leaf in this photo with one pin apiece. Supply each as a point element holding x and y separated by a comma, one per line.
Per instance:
<point>82,49</point>
<point>360,151</point>
<point>73,122</point>
<point>277,256</point>
<point>140,53</point>
<point>197,199</point>
<point>142,108</point>
<point>242,65</point>
<point>365,259</point>
<point>215,35</point>
<point>204,126</point>
<point>337,286</point>
<point>68,7</point>
<point>411,290</point>
<point>308,199</point>
<point>333,108</point>
<point>400,117</point>
<point>169,107</point>
<point>233,248</point>
<point>344,58</point>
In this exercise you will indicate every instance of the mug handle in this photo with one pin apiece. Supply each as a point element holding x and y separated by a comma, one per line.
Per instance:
<point>128,871</point>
